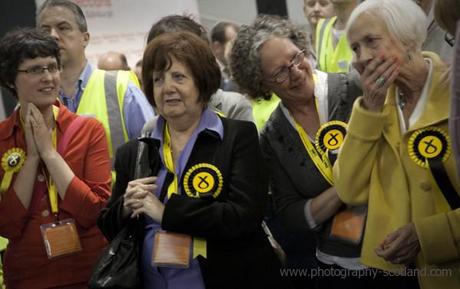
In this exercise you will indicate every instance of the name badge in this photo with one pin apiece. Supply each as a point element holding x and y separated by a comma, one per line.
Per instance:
<point>171,250</point>
<point>348,225</point>
<point>60,238</point>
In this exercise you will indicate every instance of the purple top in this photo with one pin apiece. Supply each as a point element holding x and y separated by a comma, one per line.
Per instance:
<point>136,109</point>
<point>454,120</point>
<point>174,278</point>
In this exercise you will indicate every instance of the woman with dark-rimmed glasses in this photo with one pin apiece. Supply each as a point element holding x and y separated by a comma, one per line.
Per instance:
<point>54,174</point>
<point>299,142</point>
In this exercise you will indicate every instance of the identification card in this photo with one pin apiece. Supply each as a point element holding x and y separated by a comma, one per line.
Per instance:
<point>348,224</point>
<point>171,250</point>
<point>60,238</point>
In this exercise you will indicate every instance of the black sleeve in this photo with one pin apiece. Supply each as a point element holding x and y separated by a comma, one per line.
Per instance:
<point>343,89</point>
<point>240,212</point>
<point>289,204</point>
<point>111,220</point>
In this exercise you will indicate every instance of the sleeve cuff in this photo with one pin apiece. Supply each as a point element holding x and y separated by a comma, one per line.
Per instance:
<point>74,199</point>
<point>365,124</point>
<point>310,220</point>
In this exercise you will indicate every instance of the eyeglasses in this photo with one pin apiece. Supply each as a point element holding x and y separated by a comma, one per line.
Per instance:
<point>39,70</point>
<point>283,74</point>
<point>449,39</point>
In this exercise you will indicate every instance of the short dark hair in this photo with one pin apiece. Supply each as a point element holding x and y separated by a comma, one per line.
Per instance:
<point>19,45</point>
<point>190,50</point>
<point>177,23</point>
<point>71,6</point>
<point>218,31</point>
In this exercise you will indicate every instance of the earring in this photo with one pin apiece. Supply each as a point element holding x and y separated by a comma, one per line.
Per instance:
<point>409,56</point>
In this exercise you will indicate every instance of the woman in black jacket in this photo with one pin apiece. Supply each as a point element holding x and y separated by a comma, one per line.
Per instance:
<point>209,194</point>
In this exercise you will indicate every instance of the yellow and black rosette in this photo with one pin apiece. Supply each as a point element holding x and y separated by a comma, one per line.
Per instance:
<point>12,162</point>
<point>203,180</point>
<point>430,148</point>
<point>429,144</point>
<point>330,136</point>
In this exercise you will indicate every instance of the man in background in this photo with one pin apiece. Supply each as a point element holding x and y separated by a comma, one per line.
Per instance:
<point>222,35</point>
<point>111,97</point>
<point>112,60</point>
<point>315,10</point>
<point>332,50</point>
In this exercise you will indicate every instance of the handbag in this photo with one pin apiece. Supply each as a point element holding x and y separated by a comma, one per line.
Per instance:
<point>117,268</point>
<point>118,265</point>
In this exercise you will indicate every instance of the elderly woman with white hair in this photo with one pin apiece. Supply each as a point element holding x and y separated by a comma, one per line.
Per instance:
<point>396,155</point>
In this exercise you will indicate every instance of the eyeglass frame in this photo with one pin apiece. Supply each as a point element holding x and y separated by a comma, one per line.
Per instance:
<point>40,70</point>
<point>295,61</point>
<point>450,39</point>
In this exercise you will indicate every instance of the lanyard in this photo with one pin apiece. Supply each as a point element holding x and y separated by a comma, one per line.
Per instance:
<point>169,162</point>
<point>320,160</point>
<point>199,244</point>
<point>52,191</point>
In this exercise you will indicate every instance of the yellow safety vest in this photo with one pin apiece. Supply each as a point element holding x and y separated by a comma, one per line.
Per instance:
<point>262,110</point>
<point>330,58</point>
<point>3,243</point>
<point>103,98</point>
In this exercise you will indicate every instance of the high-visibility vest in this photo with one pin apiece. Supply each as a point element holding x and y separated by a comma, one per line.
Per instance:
<point>103,99</point>
<point>3,243</point>
<point>330,58</point>
<point>262,110</point>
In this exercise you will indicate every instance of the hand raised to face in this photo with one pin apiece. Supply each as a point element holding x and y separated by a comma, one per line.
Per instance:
<point>377,76</point>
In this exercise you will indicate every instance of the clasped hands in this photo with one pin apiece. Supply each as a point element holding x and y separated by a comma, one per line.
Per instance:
<point>38,135</point>
<point>401,246</point>
<point>140,198</point>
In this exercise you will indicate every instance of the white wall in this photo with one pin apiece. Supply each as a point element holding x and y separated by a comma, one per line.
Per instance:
<point>242,11</point>
<point>122,25</point>
<point>238,11</point>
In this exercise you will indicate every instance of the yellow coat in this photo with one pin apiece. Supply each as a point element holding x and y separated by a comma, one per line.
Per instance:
<point>374,168</point>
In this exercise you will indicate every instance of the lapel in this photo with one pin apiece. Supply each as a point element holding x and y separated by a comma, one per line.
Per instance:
<point>293,156</point>
<point>438,105</point>
<point>435,111</point>
<point>392,130</point>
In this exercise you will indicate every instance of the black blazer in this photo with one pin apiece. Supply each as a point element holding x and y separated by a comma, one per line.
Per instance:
<point>238,252</point>
<point>294,178</point>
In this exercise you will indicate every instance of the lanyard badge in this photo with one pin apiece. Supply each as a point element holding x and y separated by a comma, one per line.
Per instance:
<point>60,238</point>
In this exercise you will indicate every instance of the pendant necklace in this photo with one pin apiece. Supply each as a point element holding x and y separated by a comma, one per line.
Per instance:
<point>402,101</point>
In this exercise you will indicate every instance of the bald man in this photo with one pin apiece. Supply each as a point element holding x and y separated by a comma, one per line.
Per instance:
<point>112,61</point>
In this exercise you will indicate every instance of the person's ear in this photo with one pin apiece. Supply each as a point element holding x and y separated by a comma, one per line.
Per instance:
<point>86,38</point>
<point>216,47</point>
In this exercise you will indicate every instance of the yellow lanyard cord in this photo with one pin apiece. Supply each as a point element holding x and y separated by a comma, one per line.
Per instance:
<point>321,160</point>
<point>169,161</point>
<point>52,191</point>
<point>199,244</point>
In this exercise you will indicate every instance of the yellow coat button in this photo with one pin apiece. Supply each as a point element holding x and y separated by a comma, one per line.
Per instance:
<point>426,186</point>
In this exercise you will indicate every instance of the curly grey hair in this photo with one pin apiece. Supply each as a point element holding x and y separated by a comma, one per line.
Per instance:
<point>245,63</point>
